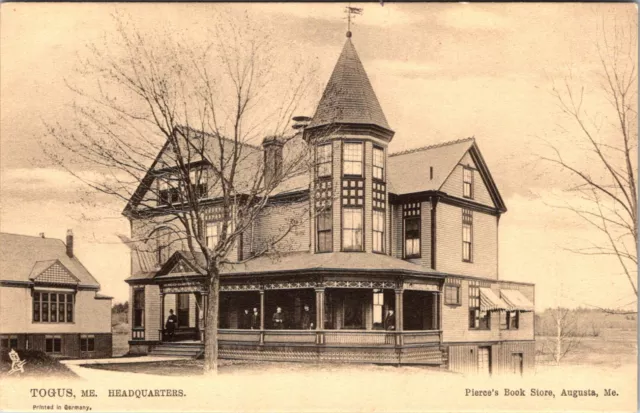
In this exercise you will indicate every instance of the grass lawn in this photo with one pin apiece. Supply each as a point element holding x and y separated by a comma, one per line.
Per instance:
<point>38,364</point>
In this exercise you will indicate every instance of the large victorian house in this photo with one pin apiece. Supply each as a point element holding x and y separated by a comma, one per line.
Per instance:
<point>397,264</point>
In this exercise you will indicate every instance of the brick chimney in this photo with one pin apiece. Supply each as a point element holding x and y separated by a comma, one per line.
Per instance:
<point>70,243</point>
<point>272,146</point>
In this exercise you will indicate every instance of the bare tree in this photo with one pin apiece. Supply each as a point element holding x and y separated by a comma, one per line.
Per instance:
<point>603,176</point>
<point>202,106</point>
<point>564,335</point>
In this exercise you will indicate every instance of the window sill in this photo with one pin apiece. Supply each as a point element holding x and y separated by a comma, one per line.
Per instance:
<point>479,329</point>
<point>453,304</point>
<point>412,257</point>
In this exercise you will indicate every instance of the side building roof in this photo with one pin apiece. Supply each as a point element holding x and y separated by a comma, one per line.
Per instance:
<point>24,258</point>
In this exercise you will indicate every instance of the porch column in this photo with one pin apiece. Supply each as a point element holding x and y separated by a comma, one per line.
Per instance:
<point>319,315</point>
<point>161,315</point>
<point>399,315</point>
<point>261,317</point>
<point>436,311</point>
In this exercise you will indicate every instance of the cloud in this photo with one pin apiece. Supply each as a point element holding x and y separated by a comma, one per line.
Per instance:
<point>469,17</point>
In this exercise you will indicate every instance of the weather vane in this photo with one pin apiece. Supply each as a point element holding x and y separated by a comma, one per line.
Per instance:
<point>351,11</point>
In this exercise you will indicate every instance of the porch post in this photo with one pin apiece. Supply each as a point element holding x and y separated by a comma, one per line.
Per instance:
<point>261,317</point>
<point>319,315</point>
<point>436,311</point>
<point>161,315</point>
<point>399,315</point>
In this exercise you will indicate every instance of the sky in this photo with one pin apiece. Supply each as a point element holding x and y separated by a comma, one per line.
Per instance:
<point>441,72</point>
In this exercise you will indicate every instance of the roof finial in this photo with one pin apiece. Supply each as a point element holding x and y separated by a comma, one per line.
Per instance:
<point>351,10</point>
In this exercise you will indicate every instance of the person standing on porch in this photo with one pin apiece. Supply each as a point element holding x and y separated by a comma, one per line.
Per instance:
<point>170,326</point>
<point>306,323</point>
<point>246,319</point>
<point>390,321</point>
<point>255,319</point>
<point>278,319</point>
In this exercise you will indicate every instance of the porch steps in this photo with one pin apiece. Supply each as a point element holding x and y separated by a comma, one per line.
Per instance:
<point>187,350</point>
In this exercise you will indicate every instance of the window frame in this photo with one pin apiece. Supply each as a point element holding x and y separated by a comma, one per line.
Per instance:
<point>467,184</point>
<point>467,244</point>
<point>53,339</point>
<point>476,320</point>
<point>138,306</point>
<point>382,168</point>
<point>345,161</point>
<point>458,299</point>
<point>9,339</point>
<point>57,311</point>
<point>88,342</point>
<point>378,232</point>
<point>511,320</point>
<point>417,238</point>
<point>360,210</point>
<point>325,216</point>
<point>320,163</point>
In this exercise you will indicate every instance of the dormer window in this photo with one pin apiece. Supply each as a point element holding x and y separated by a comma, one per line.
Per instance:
<point>198,179</point>
<point>378,163</point>
<point>352,159</point>
<point>467,182</point>
<point>323,160</point>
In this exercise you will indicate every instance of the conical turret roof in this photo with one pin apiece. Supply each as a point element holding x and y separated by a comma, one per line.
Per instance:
<point>349,97</point>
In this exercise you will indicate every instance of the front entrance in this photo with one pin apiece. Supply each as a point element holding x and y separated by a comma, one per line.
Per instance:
<point>517,363</point>
<point>183,310</point>
<point>484,360</point>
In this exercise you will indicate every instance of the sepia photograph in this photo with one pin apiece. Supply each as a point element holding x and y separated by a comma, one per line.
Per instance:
<point>340,207</point>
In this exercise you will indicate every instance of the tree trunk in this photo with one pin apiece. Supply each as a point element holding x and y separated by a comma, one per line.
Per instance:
<point>211,327</point>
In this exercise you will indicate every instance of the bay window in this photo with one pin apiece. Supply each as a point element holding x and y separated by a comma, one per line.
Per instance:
<point>352,158</point>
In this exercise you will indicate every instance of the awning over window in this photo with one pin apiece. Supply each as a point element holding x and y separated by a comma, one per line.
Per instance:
<point>516,300</point>
<point>489,301</point>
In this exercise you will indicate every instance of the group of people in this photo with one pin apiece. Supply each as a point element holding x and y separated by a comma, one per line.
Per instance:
<point>278,321</point>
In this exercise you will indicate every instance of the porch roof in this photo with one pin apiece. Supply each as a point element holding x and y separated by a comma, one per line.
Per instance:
<point>303,261</point>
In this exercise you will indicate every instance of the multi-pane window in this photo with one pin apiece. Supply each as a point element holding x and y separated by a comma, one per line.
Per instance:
<point>212,234</point>
<point>509,320</point>
<point>9,342</point>
<point>378,231</point>
<point>378,163</point>
<point>325,238</point>
<point>379,195</point>
<point>378,305</point>
<point>167,191</point>
<point>87,342</point>
<point>50,307</point>
<point>352,158</point>
<point>478,319</point>
<point>324,215</point>
<point>352,229</point>
<point>53,344</point>
<point>467,182</point>
<point>138,307</point>
<point>323,160</point>
<point>452,294</point>
<point>411,215</point>
<point>198,179</point>
<point>467,235</point>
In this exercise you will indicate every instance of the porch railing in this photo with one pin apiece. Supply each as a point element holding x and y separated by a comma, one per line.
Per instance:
<point>331,337</point>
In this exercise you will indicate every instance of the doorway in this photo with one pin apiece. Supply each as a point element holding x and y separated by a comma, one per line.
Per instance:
<point>183,310</point>
<point>517,363</point>
<point>484,360</point>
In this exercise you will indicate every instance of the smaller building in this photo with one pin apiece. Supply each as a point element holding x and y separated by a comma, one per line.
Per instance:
<point>49,301</point>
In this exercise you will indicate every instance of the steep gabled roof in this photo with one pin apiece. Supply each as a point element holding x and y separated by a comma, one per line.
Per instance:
<point>24,258</point>
<point>349,97</point>
<point>409,170</point>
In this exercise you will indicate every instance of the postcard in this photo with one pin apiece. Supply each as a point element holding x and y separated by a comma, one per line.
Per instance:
<point>393,207</point>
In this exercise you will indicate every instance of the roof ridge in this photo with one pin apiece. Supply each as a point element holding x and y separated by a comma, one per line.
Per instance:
<point>32,236</point>
<point>436,145</point>
<point>215,135</point>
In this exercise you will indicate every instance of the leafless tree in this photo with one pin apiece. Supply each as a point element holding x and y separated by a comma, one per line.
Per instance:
<point>603,174</point>
<point>564,335</point>
<point>203,106</point>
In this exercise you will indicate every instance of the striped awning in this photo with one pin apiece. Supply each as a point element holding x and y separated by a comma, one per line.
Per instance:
<point>489,301</point>
<point>516,300</point>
